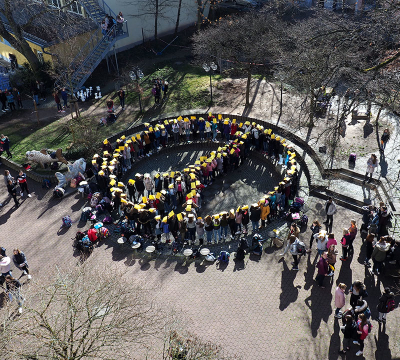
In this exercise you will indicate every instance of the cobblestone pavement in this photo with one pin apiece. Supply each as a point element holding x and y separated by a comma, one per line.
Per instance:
<point>257,309</point>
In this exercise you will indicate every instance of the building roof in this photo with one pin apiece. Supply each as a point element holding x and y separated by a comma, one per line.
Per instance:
<point>46,26</point>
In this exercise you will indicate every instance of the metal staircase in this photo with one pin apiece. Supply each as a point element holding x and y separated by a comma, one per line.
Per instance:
<point>95,50</point>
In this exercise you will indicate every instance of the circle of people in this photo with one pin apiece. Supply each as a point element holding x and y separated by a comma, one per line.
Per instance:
<point>150,202</point>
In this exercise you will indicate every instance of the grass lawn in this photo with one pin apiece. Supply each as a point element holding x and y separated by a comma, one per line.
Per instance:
<point>188,89</point>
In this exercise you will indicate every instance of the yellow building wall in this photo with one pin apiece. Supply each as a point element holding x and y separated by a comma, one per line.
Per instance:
<point>68,49</point>
<point>5,50</point>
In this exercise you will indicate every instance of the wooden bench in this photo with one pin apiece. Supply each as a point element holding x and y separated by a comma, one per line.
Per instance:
<point>355,115</point>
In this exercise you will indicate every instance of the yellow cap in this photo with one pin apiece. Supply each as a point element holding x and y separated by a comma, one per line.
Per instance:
<point>188,208</point>
<point>165,219</point>
<point>216,216</point>
<point>234,121</point>
<point>158,196</point>
<point>273,136</point>
<point>226,122</point>
<point>93,162</point>
<point>179,217</point>
<point>144,199</point>
<point>105,152</point>
<point>170,186</point>
<point>151,197</point>
<point>246,207</point>
<point>131,181</point>
<point>123,201</point>
<point>112,182</point>
<point>101,172</point>
<point>120,184</point>
<point>171,214</point>
<point>152,210</point>
<point>157,217</point>
<point>157,175</point>
<point>123,137</point>
<point>105,142</point>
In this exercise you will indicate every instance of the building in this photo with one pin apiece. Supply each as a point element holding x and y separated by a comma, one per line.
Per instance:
<point>76,43</point>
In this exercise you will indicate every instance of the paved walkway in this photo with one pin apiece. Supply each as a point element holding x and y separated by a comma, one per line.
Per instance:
<point>258,309</point>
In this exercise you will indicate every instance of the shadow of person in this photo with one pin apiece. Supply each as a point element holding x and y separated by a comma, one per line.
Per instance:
<point>319,302</point>
<point>309,274</point>
<point>239,265</point>
<point>345,274</point>
<point>383,165</point>
<point>382,344</point>
<point>334,344</point>
<point>289,292</point>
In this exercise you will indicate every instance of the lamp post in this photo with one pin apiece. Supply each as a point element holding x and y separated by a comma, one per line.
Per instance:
<point>137,74</point>
<point>210,68</point>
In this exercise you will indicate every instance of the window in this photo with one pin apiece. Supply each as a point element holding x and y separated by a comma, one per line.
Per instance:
<point>76,8</point>
<point>40,56</point>
<point>55,3</point>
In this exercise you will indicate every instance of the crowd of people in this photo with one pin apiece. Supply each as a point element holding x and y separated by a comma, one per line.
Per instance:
<point>150,203</point>
<point>8,98</point>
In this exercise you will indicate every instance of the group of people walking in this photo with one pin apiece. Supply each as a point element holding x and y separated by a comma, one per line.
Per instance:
<point>14,183</point>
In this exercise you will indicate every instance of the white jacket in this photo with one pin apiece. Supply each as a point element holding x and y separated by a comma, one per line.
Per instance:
<point>5,265</point>
<point>331,209</point>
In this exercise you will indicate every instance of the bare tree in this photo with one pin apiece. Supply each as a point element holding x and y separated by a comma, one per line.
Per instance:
<point>28,17</point>
<point>153,8</point>
<point>84,313</point>
<point>247,42</point>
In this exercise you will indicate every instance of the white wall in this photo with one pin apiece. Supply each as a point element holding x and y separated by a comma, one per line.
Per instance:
<point>166,23</point>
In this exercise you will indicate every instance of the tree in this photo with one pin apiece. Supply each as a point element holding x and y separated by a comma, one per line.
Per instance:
<point>247,42</point>
<point>153,8</point>
<point>85,313</point>
<point>27,16</point>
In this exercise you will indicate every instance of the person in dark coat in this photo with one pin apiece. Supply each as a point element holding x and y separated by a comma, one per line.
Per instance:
<point>382,306</point>
<point>20,262</point>
<point>12,189</point>
<point>5,145</point>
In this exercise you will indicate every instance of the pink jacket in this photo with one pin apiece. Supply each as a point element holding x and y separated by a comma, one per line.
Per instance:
<point>339,298</point>
<point>331,242</point>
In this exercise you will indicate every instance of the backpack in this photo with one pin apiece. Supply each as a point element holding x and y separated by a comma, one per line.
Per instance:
<point>390,305</point>
<point>79,235</point>
<point>373,228</point>
<point>301,248</point>
<point>105,233</point>
<point>46,184</point>
<point>66,221</point>
<point>353,157</point>
<point>299,200</point>
<point>85,216</point>
<point>99,209</point>
<point>304,221</point>
<point>94,201</point>
<point>108,220</point>
<point>367,313</point>
<point>369,326</point>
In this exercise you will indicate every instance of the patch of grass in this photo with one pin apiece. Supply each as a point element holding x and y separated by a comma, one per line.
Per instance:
<point>189,88</point>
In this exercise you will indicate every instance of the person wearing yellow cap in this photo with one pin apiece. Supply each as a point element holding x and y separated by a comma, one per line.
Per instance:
<point>255,215</point>
<point>214,128</point>
<point>256,136</point>
<point>217,228</point>
<point>226,129</point>
<point>238,220</point>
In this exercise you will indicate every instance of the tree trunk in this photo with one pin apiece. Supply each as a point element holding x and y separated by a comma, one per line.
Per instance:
<point>200,10</point>
<point>280,103</point>
<point>156,22</point>
<point>248,88</point>
<point>178,18</point>
<point>312,109</point>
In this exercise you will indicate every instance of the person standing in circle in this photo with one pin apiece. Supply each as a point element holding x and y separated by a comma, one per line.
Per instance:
<point>21,178</point>
<point>20,262</point>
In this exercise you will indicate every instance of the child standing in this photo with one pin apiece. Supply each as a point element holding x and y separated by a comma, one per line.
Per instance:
<point>21,178</point>
<point>339,299</point>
